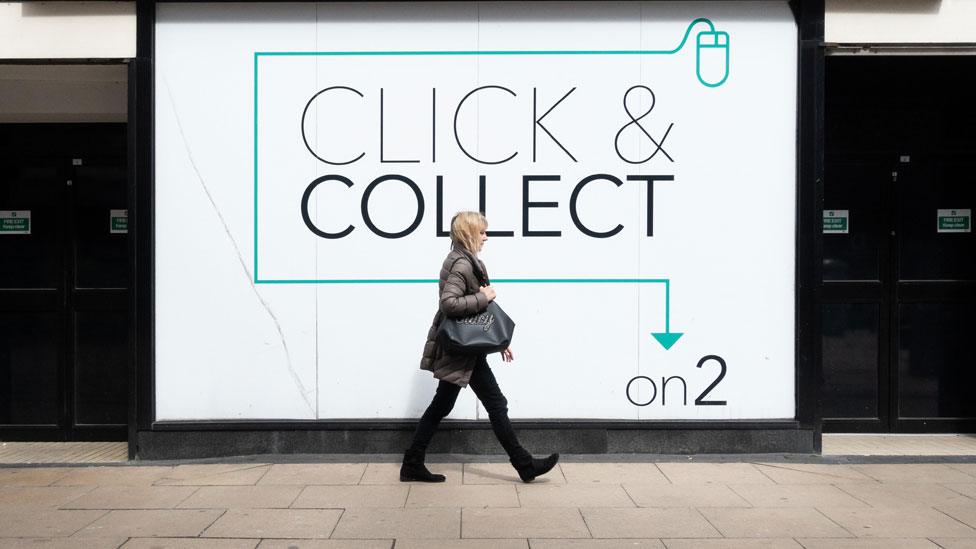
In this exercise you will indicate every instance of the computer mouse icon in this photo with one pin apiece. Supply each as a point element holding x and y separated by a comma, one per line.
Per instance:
<point>712,58</point>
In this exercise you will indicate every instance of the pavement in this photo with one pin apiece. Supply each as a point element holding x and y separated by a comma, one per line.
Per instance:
<point>894,500</point>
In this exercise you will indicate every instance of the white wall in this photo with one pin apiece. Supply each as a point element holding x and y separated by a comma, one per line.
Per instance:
<point>900,21</point>
<point>108,29</point>
<point>67,30</point>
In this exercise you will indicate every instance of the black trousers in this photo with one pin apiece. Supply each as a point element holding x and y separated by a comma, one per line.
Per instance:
<point>486,388</point>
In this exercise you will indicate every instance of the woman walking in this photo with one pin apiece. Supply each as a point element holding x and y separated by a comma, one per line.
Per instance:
<point>464,291</point>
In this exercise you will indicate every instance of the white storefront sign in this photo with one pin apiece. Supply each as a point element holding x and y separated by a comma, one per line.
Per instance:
<point>322,150</point>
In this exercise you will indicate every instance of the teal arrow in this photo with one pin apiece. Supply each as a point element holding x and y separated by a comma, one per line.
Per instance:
<point>667,338</point>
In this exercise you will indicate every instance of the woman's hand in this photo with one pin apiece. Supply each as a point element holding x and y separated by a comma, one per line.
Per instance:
<point>508,355</point>
<point>489,293</point>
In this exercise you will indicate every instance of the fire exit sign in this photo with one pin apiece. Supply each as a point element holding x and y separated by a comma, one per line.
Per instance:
<point>955,220</point>
<point>118,221</point>
<point>15,222</point>
<point>836,221</point>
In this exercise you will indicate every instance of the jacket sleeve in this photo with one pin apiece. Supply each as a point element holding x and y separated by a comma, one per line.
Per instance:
<point>454,303</point>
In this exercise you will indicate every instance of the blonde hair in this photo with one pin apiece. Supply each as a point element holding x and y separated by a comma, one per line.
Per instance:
<point>466,230</point>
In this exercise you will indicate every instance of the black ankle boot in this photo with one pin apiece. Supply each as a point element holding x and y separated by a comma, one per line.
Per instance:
<point>535,467</point>
<point>413,469</point>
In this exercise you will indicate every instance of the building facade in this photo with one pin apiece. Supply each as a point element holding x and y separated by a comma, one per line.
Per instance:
<point>720,226</point>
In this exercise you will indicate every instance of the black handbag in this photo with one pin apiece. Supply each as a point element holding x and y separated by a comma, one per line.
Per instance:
<point>489,331</point>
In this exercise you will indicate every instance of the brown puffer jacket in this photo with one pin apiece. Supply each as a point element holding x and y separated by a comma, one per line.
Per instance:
<point>459,297</point>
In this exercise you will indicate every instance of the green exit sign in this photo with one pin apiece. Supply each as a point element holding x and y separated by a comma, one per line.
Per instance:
<point>15,222</point>
<point>836,221</point>
<point>957,220</point>
<point>118,221</point>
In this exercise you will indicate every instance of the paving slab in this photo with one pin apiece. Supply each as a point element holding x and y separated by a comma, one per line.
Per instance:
<point>898,523</point>
<point>241,497</point>
<point>61,543</point>
<point>812,473</point>
<point>523,523</point>
<point>648,523</point>
<point>434,523</point>
<point>963,513</point>
<point>956,543</point>
<point>31,476</point>
<point>862,543</point>
<point>214,475</point>
<point>770,522</point>
<point>968,468</point>
<point>573,495</point>
<point>917,472</point>
<point>132,497</point>
<point>113,476</point>
<point>341,497</point>
<point>40,496</point>
<point>966,489</point>
<point>38,523</point>
<point>773,543</point>
<point>613,473</point>
<point>596,544</point>
<point>684,495</point>
<point>389,473</point>
<point>314,473</point>
<point>911,495</point>
<point>504,473</point>
<point>189,543</point>
<point>325,544</point>
<point>274,523</point>
<point>63,452</point>
<point>713,473</point>
<point>899,445</point>
<point>462,544</point>
<point>433,495</point>
<point>801,495</point>
<point>167,523</point>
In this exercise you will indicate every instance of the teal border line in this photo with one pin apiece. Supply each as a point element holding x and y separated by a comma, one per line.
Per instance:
<point>666,282</point>
<point>256,281</point>
<point>684,39</point>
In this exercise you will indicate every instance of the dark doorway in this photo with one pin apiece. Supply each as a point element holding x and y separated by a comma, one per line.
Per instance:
<point>899,289</point>
<point>63,282</point>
